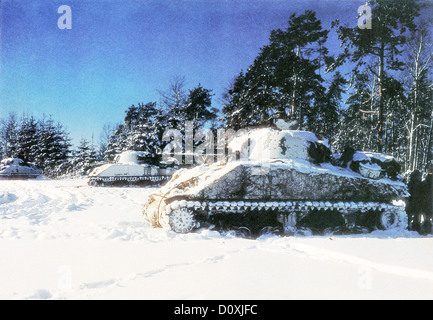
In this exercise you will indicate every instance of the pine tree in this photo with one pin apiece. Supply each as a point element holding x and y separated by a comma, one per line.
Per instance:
<point>325,118</point>
<point>299,74</point>
<point>9,136</point>
<point>391,19</point>
<point>84,158</point>
<point>116,143</point>
<point>286,74</point>
<point>358,120</point>
<point>53,148</point>
<point>27,141</point>
<point>198,106</point>
<point>236,110</point>
<point>143,135</point>
<point>140,131</point>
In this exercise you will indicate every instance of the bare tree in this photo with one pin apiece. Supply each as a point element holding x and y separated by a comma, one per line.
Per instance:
<point>419,50</point>
<point>108,130</point>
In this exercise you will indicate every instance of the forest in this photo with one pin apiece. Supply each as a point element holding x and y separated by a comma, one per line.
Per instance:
<point>374,92</point>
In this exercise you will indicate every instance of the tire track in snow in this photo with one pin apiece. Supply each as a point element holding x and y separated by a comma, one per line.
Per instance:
<point>122,282</point>
<point>315,252</point>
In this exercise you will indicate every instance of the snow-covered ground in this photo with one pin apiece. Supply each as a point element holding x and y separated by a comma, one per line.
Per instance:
<point>66,240</point>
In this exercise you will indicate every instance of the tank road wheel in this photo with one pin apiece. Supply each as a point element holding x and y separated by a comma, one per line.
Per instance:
<point>388,220</point>
<point>182,220</point>
<point>93,182</point>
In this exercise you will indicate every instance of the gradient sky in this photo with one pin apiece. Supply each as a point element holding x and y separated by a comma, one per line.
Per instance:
<point>121,52</point>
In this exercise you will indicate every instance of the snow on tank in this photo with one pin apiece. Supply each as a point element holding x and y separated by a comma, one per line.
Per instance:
<point>285,180</point>
<point>15,168</point>
<point>130,168</point>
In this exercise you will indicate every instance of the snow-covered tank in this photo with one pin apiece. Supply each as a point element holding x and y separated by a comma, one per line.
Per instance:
<point>289,183</point>
<point>130,168</point>
<point>15,168</point>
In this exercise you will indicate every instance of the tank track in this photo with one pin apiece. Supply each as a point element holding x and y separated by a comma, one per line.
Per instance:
<point>125,181</point>
<point>183,216</point>
<point>19,176</point>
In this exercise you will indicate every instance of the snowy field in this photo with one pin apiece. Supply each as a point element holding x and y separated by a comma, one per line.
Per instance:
<point>66,240</point>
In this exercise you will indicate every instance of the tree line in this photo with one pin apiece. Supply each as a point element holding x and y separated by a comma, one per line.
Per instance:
<point>144,125</point>
<point>374,92</point>
<point>47,144</point>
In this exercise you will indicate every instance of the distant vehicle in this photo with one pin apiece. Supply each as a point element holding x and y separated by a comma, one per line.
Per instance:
<point>130,169</point>
<point>18,169</point>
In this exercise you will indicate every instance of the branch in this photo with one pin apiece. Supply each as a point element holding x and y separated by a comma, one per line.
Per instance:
<point>369,112</point>
<point>372,71</point>
<point>421,125</point>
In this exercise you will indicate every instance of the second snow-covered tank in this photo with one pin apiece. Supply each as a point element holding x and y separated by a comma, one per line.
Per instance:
<point>15,168</point>
<point>130,169</point>
<point>281,185</point>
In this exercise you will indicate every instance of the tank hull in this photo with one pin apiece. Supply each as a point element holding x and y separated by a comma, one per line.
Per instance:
<point>285,192</point>
<point>129,174</point>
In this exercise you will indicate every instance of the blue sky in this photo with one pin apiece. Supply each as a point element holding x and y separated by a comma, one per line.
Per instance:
<point>119,53</point>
